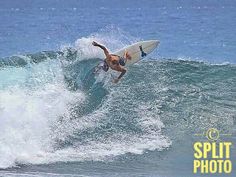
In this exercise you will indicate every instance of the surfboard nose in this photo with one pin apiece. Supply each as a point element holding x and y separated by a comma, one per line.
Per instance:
<point>156,42</point>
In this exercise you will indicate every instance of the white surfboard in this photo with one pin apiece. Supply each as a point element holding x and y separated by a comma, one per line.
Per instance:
<point>138,50</point>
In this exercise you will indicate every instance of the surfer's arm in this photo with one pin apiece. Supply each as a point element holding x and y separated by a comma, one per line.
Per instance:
<point>123,71</point>
<point>103,48</point>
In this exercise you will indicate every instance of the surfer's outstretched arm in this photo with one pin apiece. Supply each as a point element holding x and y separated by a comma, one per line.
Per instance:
<point>103,48</point>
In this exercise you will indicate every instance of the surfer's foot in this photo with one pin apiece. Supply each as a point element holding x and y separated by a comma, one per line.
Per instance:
<point>127,55</point>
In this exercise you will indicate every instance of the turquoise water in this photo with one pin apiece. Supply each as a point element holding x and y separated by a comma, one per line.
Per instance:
<point>57,118</point>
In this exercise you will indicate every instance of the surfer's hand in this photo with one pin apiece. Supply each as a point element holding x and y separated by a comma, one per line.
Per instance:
<point>115,80</point>
<point>95,43</point>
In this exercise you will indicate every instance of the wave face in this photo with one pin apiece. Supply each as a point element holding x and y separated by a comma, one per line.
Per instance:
<point>53,108</point>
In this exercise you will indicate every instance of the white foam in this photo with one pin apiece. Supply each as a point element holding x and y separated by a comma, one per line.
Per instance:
<point>108,149</point>
<point>112,37</point>
<point>27,110</point>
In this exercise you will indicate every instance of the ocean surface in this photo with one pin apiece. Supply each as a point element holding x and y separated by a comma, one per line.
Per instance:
<point>57,118</point>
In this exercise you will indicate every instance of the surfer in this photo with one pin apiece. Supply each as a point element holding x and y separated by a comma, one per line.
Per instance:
<point>112,61</point>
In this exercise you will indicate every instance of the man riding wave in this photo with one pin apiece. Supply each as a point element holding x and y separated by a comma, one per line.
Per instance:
<point>114,62</point>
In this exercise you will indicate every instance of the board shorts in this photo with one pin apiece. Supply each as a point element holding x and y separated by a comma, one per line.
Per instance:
<point>121,61</point>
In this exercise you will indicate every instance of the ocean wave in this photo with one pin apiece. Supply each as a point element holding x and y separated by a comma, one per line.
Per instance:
<point>53,108</point>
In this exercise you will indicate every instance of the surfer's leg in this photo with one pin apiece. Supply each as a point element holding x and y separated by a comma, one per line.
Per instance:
<point>104,66</point>
<point>97,68</point>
